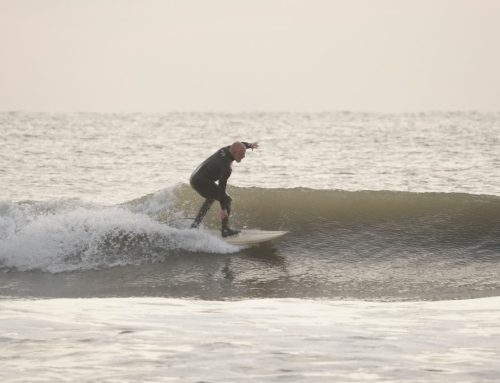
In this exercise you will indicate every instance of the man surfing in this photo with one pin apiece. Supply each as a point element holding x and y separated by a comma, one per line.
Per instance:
<point>217,167</point>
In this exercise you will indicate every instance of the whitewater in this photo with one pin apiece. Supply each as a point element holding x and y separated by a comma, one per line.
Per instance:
<point>389,271</point>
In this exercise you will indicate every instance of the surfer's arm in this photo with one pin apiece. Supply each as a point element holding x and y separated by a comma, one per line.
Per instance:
<point>222,191</point>
<point>253,145</point>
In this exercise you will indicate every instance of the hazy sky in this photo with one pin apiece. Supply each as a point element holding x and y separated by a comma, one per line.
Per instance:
<point>247,55</point>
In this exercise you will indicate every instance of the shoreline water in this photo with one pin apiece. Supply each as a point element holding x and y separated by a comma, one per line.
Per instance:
<point>269,340</point>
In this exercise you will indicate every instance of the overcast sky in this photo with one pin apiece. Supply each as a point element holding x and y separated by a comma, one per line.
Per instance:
<point>249,55</point>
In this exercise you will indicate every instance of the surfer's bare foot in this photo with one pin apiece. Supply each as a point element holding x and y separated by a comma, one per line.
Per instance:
<point>226,232</point>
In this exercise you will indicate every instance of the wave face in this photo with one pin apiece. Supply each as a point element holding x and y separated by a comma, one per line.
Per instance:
<point>365,244</point>
<point>374,223</point>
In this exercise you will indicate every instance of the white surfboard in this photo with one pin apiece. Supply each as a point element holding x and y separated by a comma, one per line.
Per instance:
<point>252,237</point>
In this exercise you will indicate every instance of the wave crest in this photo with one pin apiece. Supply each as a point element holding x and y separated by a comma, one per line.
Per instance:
<point>55,236</point>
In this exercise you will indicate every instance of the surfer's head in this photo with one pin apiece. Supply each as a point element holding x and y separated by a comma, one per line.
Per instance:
<point>237,150</point>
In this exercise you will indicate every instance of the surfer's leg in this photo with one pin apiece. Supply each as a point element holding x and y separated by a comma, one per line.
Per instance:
<point>209,191</point>
<point>225,230</point>
<point>203,211</point>
<point>229,200</point>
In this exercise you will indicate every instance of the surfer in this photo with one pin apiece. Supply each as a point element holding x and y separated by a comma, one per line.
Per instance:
<point>217,167</point>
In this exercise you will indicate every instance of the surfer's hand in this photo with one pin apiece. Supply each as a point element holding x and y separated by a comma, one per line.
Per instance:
<point>254,145</point>
<point>223,214</point>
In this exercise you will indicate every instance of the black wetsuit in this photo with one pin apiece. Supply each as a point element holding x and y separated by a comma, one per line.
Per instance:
<point>217,167</point>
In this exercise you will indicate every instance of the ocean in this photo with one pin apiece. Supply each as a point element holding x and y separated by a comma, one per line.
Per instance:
<point>389,272</point>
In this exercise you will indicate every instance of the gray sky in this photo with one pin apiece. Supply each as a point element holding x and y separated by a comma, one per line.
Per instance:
<point>247,55</point>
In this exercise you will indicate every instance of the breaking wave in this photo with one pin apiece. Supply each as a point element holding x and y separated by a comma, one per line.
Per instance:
<point>68,235</point>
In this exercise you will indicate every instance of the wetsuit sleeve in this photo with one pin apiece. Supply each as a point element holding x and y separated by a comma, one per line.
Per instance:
<point>247,144</point>
<point>222,189</point>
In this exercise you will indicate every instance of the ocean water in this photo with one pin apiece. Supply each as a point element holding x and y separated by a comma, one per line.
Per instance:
<point>389,271</point>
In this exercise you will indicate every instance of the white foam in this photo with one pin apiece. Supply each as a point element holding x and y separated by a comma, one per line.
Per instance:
<point>154,204</point>
<point>66,236</point>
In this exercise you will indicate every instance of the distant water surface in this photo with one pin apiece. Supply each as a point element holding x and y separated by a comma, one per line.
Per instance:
<point>112,158</point>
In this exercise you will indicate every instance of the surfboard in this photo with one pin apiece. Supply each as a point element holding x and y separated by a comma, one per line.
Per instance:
<point>252,237</point>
